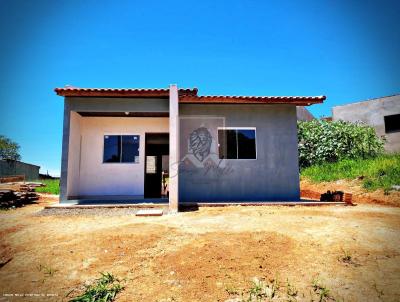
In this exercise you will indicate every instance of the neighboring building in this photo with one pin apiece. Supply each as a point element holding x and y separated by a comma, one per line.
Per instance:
<point>135,144</point>
<point>381,113</point>
<point>12,168</point>
<point>303,114</point>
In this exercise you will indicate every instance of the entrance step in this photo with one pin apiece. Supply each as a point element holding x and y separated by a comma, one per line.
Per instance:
<point>150,212</point>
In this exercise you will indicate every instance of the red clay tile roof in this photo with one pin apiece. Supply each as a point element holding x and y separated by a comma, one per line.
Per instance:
<point>219,99</point>
<point>188,96</point>
<point>120,92</point>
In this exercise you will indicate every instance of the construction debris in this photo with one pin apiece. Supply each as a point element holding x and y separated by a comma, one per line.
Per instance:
<point>332,196</point>
<point>16,194</point>
<point>337,196</point>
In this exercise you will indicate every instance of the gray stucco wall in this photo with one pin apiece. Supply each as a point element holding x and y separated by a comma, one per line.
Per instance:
<point>372,112</point>
<point>92,104</point>
<point>273,176</point>
<point>10,168</point>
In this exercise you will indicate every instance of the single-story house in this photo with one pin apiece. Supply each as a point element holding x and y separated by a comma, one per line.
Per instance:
<point>382,113</point>
<point>178,146</point>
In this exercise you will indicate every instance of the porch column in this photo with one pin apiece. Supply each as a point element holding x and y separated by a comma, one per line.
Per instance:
<point>65,153</point>
<point>173,148</point>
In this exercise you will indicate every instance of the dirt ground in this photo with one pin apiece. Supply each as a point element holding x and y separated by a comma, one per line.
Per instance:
<point>360,195</point>
<point>207,255</point>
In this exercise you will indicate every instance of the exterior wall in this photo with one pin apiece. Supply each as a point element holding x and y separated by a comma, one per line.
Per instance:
<point>98,178</point>
<point>273,176</point>
<point>74,151</point>
<point>70,184</point>
<point>372,113</point>
<point>303,114</point>
<point>10,168</point>
<point>85,104</point>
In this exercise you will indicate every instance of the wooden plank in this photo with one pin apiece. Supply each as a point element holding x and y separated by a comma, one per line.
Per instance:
<point>12,178</point>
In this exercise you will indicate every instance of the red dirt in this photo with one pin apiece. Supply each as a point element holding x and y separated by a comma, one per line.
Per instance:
<point>198,256</point>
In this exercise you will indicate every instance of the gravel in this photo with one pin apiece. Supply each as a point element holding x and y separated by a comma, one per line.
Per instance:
<point>90,212</point>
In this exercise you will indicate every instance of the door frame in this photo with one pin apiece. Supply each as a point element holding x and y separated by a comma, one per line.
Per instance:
<point>146,135</point>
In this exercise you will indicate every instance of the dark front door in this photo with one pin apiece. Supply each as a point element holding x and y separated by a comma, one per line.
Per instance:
<point>156,165</point>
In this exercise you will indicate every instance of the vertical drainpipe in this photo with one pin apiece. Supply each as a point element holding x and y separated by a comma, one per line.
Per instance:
<point>173,148</point>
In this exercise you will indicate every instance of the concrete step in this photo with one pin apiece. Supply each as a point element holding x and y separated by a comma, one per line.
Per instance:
<point>149,212</point>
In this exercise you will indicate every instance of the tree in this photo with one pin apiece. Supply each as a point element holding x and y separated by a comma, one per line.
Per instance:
<point>9,149</point>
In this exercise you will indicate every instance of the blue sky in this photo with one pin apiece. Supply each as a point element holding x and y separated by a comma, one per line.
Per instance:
<point>347,50</point>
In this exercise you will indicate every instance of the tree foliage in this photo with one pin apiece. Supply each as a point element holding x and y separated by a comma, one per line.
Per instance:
<point>322,141</point>
<point>9,149</point>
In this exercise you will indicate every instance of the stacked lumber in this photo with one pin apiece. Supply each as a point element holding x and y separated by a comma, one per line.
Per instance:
<point>13,178</point>
<point>15,194</point>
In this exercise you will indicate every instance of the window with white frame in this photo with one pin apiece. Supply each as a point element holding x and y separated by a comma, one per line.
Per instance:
<point>237,143</point>
<point>121,149</point>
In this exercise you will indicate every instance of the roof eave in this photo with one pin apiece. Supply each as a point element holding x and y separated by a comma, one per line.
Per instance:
<point>297,101</point>
<point>111,92</point>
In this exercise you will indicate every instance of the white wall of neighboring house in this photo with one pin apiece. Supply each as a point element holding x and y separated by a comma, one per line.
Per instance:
<point>372,112</point>
<point>91,177</point>
<point>303,114</point>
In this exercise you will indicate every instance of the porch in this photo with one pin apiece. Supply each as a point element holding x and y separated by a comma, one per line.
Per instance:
<point>119,154</point>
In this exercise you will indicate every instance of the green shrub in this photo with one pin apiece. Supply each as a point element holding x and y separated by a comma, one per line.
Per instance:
<point>322,141</point>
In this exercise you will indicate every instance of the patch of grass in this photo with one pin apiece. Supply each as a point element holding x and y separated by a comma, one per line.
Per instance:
<point>271,290</point>
<point>345,257</point>
<point>262,289</point>
<point>52,186</point>
<point>231,290</point>
<point>291,291</point>
<point>104,289</point>
<point>381,172</point>
<point>259,291</point>
<point>47,272</point>
<point>322,291</point>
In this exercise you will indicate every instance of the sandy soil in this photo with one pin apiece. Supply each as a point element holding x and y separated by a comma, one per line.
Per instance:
<point>360,195</point>
<point>205,255</point>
